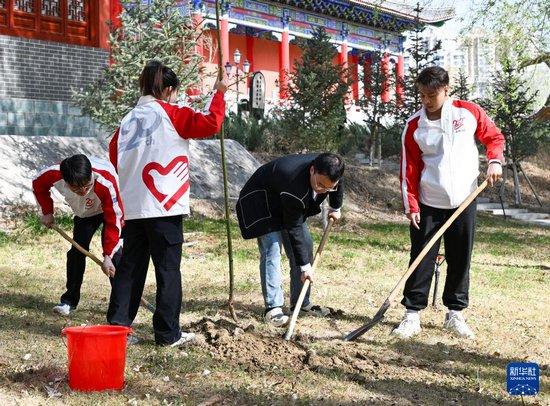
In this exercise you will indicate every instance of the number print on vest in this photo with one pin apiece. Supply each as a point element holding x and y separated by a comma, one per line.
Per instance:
<point>174,176</point>
<point>139,129</point>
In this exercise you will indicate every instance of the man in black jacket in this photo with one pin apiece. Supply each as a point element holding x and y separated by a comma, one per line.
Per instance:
<point>273,207</point>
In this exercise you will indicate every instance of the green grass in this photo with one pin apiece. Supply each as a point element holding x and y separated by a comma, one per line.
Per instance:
<point>360,265</point>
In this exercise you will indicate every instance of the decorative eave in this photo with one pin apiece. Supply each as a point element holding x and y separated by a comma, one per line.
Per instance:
<point>427,15</point>
<point>367,13</point>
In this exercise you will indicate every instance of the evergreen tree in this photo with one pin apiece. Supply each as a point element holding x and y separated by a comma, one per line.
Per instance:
<point>158,30</point>
<point>511,106</point>
<point>510,103</point>
<point>376,80</point>
<point>421,55</point>
<point>460,89</point>
<point>314,116</point>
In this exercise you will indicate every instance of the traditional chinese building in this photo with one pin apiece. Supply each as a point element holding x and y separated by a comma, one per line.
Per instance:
<point>49,47</point>
<point>265,34</point>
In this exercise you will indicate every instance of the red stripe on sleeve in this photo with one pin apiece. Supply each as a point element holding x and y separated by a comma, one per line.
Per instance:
<point>411,168</point>
<point>41,186</point>
<point>106,188</point>
<point>113,179</point>
<point>195,124</point>
<point>486,131</point>
<point>113,149</point>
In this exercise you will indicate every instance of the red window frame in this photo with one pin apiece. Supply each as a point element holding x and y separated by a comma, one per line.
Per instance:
<point>59,29</point>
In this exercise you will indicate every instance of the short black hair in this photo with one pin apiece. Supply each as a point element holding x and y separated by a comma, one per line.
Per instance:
<point>76,170</point>
<point>330,165</point>
<point>433,77</point>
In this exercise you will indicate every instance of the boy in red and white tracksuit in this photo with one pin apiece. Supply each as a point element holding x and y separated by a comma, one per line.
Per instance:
<point>151,153</point>
<point>439,170</point>
<point>90,188</point>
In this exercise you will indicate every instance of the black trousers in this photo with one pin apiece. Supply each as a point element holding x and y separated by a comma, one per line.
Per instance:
<point>458,241</point>
<point>83,231</point>
<point>159,238</point>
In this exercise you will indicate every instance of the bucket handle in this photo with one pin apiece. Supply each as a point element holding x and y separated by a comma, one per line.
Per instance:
<point>64,333</point>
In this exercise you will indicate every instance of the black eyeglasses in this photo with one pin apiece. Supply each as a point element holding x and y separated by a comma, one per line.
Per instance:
<point>329,189</point>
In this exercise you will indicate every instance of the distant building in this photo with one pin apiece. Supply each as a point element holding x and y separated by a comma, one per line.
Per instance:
<point>473,54</point>
<point>51,47</point>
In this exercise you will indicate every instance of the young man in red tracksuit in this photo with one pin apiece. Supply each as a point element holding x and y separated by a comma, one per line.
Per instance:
<point>439,169</point>
<point>90,188</point>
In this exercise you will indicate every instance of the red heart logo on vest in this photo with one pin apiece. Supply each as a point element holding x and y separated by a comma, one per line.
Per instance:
<point>175,173</point>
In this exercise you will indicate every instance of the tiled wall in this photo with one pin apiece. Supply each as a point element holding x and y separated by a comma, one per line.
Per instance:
<point>44,117</point>
<point>46,70</point>
<point>36,78</point>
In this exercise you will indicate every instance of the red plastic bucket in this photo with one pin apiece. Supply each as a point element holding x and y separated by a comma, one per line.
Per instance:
<point>96,357</point>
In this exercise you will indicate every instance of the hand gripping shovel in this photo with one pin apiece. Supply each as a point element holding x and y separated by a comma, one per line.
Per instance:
<point>387,303</point>
<point>143,302</point>
<point>305,286</point>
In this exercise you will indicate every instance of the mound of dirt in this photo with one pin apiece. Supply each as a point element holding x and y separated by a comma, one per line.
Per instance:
<point>248,348</point>
<point>256,351</point>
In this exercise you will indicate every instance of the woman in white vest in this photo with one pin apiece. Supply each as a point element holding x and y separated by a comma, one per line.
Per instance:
<point>150,151</point>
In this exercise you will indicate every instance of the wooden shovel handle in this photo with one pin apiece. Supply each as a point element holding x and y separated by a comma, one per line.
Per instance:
<point>63,234</point>
<point>436,237</point>
<point>305,286</point>
<point>77,245</point>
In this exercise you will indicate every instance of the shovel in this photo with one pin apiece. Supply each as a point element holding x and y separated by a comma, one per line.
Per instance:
<point>143,302</point>
<point>387,303</point>
<point>305,286</point>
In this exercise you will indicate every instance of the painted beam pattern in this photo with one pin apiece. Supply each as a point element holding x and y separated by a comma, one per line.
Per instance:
<point>267,15</point>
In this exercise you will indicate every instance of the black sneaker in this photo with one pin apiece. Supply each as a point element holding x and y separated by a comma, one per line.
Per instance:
<point>314,310</point>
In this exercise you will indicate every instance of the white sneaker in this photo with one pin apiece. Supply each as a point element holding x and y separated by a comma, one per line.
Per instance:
<point>454,322</point>
<point>314,310</point>
<point>62,309</point>
<point>409,326</point>
<point>185,338</point>
<point>276,317</point>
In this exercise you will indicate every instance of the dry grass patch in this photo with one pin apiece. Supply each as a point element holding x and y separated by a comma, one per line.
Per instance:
<point>249,363</point>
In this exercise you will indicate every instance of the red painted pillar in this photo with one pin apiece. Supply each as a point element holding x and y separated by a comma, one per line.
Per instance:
<point>367,77</point>
<point>385,95</point>
<point>400,74</point>
<point>197,24</point>
<point>284,64</point>
<point>195,89</point>
<point>250,55</point>
<point>224,27</point>
<point>344,63</point>
<point>116,10</point>
<point>250,51</point>
<point>105,15</point>
<point>354,60</point>
<point>344,55</point>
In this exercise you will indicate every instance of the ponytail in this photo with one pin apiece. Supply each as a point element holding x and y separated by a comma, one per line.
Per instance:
<point>156,77</point>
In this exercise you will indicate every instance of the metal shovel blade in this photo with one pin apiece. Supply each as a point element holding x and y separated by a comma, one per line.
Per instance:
<point>370,324</point>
